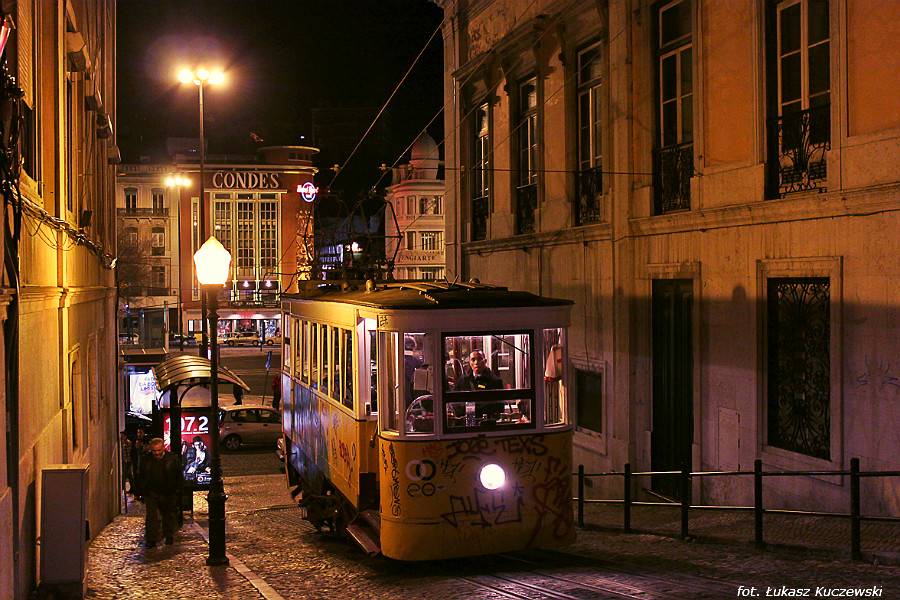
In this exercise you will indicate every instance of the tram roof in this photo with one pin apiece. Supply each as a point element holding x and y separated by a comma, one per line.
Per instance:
<point>426,295</point>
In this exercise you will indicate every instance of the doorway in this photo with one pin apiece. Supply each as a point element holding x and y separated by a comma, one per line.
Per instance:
<point>673,366</point>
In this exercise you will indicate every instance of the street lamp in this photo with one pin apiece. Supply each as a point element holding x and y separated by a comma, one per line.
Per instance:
<point>200,78</point>
<point>213,263</point>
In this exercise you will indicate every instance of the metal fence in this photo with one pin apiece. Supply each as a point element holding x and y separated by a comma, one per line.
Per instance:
<point>758,475</point>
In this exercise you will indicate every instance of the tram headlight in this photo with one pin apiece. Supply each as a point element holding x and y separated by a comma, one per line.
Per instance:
<point>492,476</point>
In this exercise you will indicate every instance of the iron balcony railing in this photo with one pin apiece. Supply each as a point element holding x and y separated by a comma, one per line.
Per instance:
<point>672,171</point>
<point>143,212</point>
<point>685,478</point>
<point>590,188</point>
<point>526,205</point>
<point>480,211</point>
<point>802,141</point>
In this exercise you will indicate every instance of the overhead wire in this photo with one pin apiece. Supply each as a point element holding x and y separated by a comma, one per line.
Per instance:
<point>388,101</point>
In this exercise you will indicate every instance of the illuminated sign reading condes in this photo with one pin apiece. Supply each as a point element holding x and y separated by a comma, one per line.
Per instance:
<point>245,180</point>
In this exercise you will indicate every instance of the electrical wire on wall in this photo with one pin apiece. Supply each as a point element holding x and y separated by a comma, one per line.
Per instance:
<point>10,128</point>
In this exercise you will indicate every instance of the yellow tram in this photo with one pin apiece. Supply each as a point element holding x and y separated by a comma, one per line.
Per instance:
<point>429,420</point>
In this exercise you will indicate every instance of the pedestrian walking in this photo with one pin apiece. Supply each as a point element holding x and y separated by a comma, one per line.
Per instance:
<point>127,471</point>
<point>276,394</point>
<point>139,449</point>
<point>238,392</point>
<point>160,478</point>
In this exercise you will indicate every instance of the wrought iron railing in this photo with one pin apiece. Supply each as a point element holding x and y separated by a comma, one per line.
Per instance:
<point>480,211</point>
<point>672,171</point>
<point>590,188</point>
<point>685,477</point>
<point>526,205</point>
<point>803,139</point>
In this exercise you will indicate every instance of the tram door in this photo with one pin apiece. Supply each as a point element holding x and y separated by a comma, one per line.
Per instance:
<point>673,417</point>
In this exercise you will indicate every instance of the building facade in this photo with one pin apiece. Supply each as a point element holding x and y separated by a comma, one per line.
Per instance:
<point>58,301</point>
<point>261,209</point>
<point>715,184</point>
<point>149,256</point>
<point>416,239</point>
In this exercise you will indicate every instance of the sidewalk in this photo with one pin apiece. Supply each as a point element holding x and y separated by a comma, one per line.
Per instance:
<point>120,567</point>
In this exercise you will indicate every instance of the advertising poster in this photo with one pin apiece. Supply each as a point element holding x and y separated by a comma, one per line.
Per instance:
<point>143,392</point>
<point>195,443</point>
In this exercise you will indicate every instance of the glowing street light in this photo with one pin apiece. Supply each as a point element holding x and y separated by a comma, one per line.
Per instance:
<point>213,263</point>
<point>201,78</point>
<point>177,181</point>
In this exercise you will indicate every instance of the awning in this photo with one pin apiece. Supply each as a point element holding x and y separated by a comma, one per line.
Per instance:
<point>184,369</point>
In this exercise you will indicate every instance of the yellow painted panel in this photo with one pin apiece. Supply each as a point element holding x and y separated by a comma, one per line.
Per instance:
<point>433,505</point>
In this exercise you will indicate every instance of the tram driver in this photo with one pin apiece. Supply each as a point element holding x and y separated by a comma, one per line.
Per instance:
<point>480,378</point>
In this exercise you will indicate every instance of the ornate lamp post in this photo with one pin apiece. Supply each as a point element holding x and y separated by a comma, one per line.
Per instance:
<point>213,263</point>
<point>200,78</point>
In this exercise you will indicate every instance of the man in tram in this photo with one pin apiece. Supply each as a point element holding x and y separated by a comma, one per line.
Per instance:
<point>481,377</point>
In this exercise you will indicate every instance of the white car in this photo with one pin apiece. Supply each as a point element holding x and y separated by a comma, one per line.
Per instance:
<point>248,424</point>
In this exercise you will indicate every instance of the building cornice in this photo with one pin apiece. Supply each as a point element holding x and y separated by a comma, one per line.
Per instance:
<point>559,237</point>
<point>803,207</point>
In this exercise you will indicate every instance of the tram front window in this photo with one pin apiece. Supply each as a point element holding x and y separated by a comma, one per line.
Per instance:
<point>487,381</point>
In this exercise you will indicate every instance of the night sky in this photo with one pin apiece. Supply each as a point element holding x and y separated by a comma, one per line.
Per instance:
<point>281,59</point>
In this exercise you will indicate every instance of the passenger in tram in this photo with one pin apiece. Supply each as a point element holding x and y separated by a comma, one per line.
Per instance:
<point>481,377</point>
<point>411,362</point>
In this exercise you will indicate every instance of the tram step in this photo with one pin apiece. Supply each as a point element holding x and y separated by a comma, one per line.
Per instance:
<point>373,519</point>
<point>363,536</point>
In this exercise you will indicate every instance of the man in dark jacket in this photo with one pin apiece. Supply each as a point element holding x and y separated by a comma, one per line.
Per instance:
<point>160,475</point>
<point>481,377</point>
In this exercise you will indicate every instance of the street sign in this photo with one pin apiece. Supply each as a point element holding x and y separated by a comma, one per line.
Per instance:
<point>268,360</point>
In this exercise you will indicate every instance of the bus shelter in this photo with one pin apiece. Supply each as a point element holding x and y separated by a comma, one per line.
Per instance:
<point>187,431</point>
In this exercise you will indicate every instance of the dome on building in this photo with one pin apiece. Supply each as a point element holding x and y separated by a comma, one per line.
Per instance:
<point>424,157</point>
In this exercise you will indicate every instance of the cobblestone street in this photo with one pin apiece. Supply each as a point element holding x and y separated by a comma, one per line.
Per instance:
<point>276,554</point>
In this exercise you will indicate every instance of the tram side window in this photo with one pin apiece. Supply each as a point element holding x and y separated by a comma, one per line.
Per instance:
<point>488,381</point>
<point>337,365</point>
<point>347,368</point>
<point>554,377</point>
<point>323,341</point>
<point>314,355</point>
<point>303,352</point>
<point>391,377</point>
<point>418,382</point>
<point>372,347</point>
<point>286,352</point>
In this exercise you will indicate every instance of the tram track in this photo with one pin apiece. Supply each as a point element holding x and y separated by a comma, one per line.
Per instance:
<point>616,570</point>
<point>577,577</point>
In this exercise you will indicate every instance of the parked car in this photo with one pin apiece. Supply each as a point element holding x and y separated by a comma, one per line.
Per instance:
<point>275,340</point>
<point>128,338</point>
<point>176,339</point>
<point>248,424</point>
<point>239,338</point>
